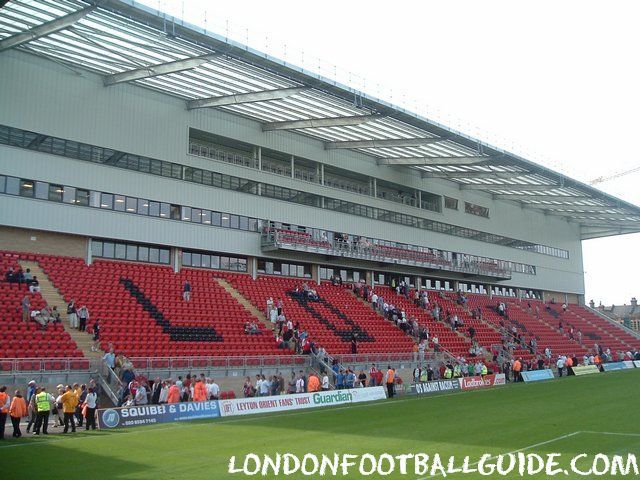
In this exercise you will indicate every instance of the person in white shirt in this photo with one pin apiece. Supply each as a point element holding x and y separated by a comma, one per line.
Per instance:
<point>213,390</point>
<point>300,385</point>
<point>141,396</point>
<point>265,387</point>
<point>269,305</point>
<point>374,301</point>
<point>91,402</point>
<point>258,385</point>
<point>325,382</point>
<point>164,393</point>
<point>560,364</point>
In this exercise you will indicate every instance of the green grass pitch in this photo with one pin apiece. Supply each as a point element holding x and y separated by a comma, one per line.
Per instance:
<point>597,414</point>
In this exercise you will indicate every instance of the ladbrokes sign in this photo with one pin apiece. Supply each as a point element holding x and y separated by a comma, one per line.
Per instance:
<point>472,383</point>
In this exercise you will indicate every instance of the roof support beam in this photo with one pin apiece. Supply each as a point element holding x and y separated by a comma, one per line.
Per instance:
<point>155,70</point>
<point>238,98</point>
<point>467,174</point>
<point>318,122</point>
<point>507,186</point>
<point>570,208</point>
<point>634,226</point>
<point>542,197</point>
<point>432,161</point>
<point>589,217</point>
<point>45,29</point>
<point>383,143</point>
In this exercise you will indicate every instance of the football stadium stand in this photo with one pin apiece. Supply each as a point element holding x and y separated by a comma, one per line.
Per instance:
<point>178,179</point>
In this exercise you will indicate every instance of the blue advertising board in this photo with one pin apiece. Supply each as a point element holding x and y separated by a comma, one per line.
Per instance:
<point>537,375</point>
<point>152,414</point>
<point>610,367</point>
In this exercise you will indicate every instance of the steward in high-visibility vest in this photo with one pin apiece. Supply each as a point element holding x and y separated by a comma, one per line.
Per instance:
<point>457,371</point>
<point>42,402</point>
<point>484,370</point>
<point>43,407</point>
<point>448,373</point>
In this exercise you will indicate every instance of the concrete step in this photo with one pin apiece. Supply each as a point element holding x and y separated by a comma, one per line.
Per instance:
<point>245,303</point>
<point>52,296</point>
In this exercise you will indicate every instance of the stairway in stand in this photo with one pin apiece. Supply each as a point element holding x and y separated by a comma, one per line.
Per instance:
<point>53,298</point>
<point>245,303</point>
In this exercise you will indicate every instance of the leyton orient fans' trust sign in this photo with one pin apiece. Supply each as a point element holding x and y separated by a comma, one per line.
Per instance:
<point>248,406</point>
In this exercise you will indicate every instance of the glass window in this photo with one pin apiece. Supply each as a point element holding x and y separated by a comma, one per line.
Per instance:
<point>216,219</point>
<point>132,252</point>
<point>196,215</point>
<point>69,195</point>
<point>244,223</point>
<point>94,200</point>
<point>82,197</point>
<point>106,201</point>
<point>26,188</point>
<point>186,258</point>
<point>225,220</point>
<point>42,190</point>
<point>121,251</point>
<point>143,206</point>
<point>154,255</point>
<point>234,221</point>
<point>143,254</point>
<point>165,210</point>
<point>242,264</point>
<point>253,225</point>
<point>196,258</point>
<point>154,209</point>
<point>108,250</point>
<point>224,263</point>
<point>96,248</point>
<point>206,261</point>
<point>215,261</point>
<point>131,204</point>
<point>186,213</point>
<point>13,185</point>
<point>3,182</point>
<point>164,255</point>
<point>118,204</point>
<point>175,212</point>
<point>206,217</point>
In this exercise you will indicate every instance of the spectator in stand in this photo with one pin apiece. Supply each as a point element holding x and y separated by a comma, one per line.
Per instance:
<point>213,389</point>
<point>340,378</point>
<point>265,386</point>
<point>436,343</point>
<point>90,405</point>
<point>72,314</point>
<point>95,347</point>
<point>110,359</point>
<point>17,411</point>
<point>26,308</point>
<point>10,276</point>
<point>248,390</point>
<point>164,393</point>
<point>83,318</point>
<point>34,285</point>
<point>186,291</point>
<point>350,379</point>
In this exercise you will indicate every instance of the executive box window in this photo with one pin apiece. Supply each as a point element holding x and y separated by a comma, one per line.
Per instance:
<point>214,261</point>
<point>272,267</point>
<point>451,203</point>
<point>477,210</point>
<point>129,251</point>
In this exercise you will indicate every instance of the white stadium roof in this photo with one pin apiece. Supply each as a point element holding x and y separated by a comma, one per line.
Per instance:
<point>128,42</point>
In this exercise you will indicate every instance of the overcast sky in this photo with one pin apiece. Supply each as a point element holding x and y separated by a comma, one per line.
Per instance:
<point>557,82</point>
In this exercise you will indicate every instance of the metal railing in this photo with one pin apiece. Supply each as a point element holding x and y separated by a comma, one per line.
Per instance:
<point>47,365</point>
<point>231,362</point>
<point>377,253</point>
<point>606,318</point>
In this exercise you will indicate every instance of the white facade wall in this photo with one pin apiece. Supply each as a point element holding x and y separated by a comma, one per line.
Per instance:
<point>44,97</point>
